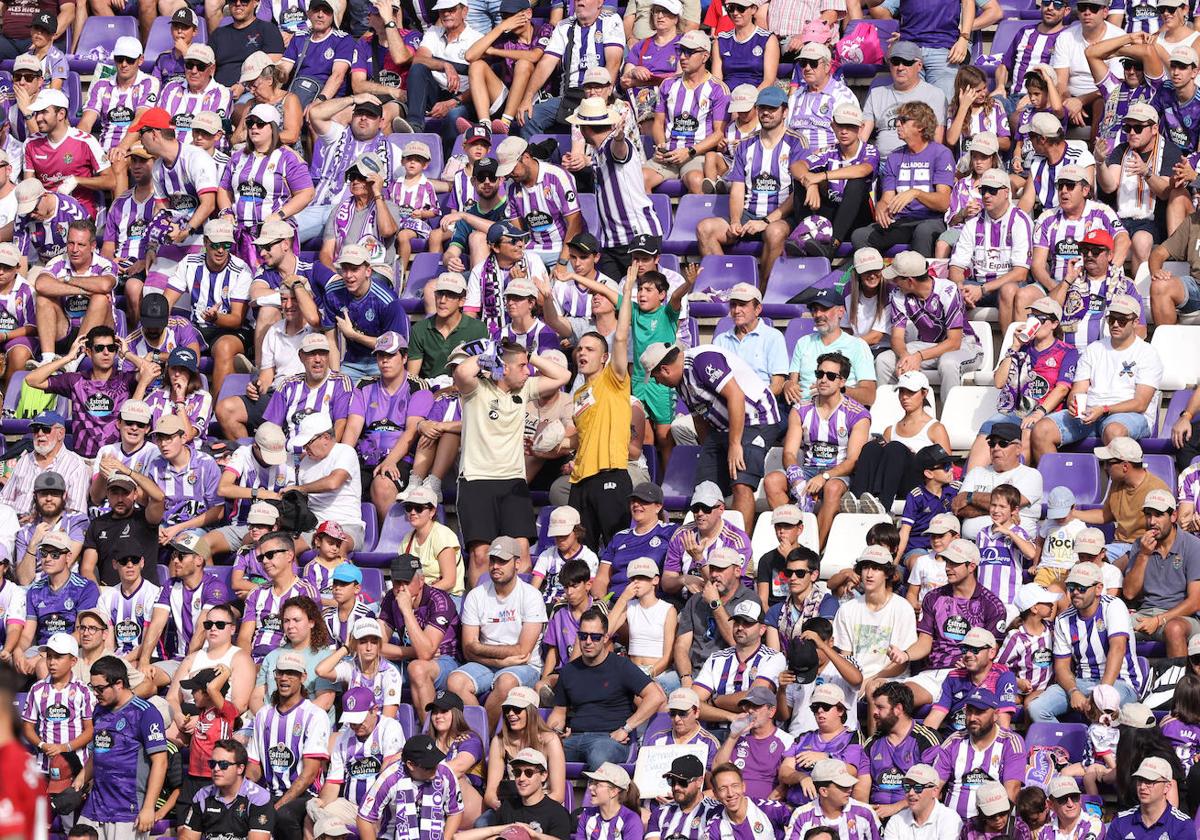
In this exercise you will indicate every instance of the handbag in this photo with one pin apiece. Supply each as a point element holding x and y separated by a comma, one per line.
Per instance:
<point>305,88</point>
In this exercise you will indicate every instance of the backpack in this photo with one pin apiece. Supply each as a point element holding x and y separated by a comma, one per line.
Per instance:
<point>294,514</point>
<point>859,46</point>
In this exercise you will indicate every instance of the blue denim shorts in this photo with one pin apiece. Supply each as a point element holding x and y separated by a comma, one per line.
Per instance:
<point>1193,295</point>
<point>484,677</point>
<point>1074,430</point>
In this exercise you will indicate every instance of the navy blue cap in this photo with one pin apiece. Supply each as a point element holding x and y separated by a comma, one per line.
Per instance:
<point>49,418</point>
<point>184,357</point>
<point>501,229</point>
<point>508,8</point>
<point>477,132</point>
<point>771,97</point>
<point>982,698</point>
<point>825,298</point>
<point>645,243</point>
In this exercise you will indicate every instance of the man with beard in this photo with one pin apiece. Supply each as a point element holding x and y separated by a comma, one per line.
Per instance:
<point>1164,577</point>
<point>470,226</point>
<point>63,158</point>
<point>49,514</point>
<point>48,431</point>
<point>159,332</point>
<point>126,529</point>
<point>982,752</point>
<point>706,620</point>
<point>687,815</point>
<point>434,337</point>
<point>43,217</point>
<point>895,749</point>
<point>318,389</point>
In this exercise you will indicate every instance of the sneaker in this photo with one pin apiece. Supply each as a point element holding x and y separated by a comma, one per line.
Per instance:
<point>868,503</point>
<point>401,126</point>
<point>849,503</point>
<point>242,363</point>
<point>499,127</point>
<point>462,124</point>
<point>722,187</point>
<point>708,186</point>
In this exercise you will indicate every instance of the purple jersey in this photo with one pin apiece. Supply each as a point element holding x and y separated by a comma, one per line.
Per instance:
<point>628,545</point>
<point>966,768</point>
<point>263,609</point>
<point>333,153</point>
<point>410,810</point>
<point>742,61</point>
<point>856,822</point>
<point>626,825</point>
<point>537,339</point>
<point>124,737</point>
<point>730,536</point>
<point>294,399</point>
<point>58,714</point>
<point>765,820</point>
<point>184,607</point>
<point>409,196</point>
<point>179,332</point>
<point>842,745</point>
<point>810,112</point>
<point>925,170</point>
<point>17,308</point>
<point>1179,121</point>
<point>830,158</point>
<point>168,67</point>
<point>1001,563</point>
<point>251,567</point>
<point>759,759</point>
<point>1033,374</point>
<point>932,318</point>
<point>1028,656</point>
<point>766,171</point>
<point>377,311</point>
<point>1184,738</point>
<point>117,106</point>
<point>625,209</point>
<point>282,740</point>
<point>356,763</point>
<point>289,15</point>
<point>660,59</point>
<point>931,24</point>
<point>251,473</point>
<point>1028,48</point>
<point>1043,174</point>
<point>544,206</point>
<point>182,103</point>
<point>959,684</point>
<point>54,610</point>
<point>1061,236</point>
<point>706,370</point>
<point>436,608</point>
<point>989,248</point>
<point>510,41</point>
<point>1118,96</point>
<point>320,576</point>
<point>126,225</point>
<point>317,58</point>
<point>826,439</point>
<point>672,821</point>
<point>1085,640</point>
<point>947,618</point>
<point>49,238</point>
<point>74,525</point>
<point>261,184</point>
<point>888,762</point>
<point>75,306</point>
<point>339,629</point>
<point>920,506</point>
<point>385,416</point>
<point>191,489</point>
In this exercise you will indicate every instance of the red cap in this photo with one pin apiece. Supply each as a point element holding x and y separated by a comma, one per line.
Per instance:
<point>1100,237</point>
<point>331,529</point>
<point>153,118</point>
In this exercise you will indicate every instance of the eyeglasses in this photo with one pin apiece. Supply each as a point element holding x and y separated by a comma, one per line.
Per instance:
<point>90,628</point>
<point>902,62</point>
<point>1119,320</point>
<point>684,52</point>
<point>590,637</point>
<point>411,507</point>
<point>1054,4</point>
<point>831,375</point>
<point>219,246</point>
<point>676,781</point>
<point>1042,317</point>
<point>702,509</point>
<point>268,555</point>
<point>678,713</point>
<point>809,62</point>
<point>214,764</point>
<point>797,573</point>
<point>914,787</point>
<point>1136,128</point>
<point>99,689</point>
<point>994,442</point>
<point>1094,8</point>
<point>195,65</point>
<point>104,348</point>
<point>255,123</point>
<point>1066,185</point>
<point>216,624</point>
<point>1070,797</point>
<point>821,707</point>
<point>50,552</point>
<point>129,561</point>
<point>1073,588</point>
<point>526,772</point>
<point>989,190</point>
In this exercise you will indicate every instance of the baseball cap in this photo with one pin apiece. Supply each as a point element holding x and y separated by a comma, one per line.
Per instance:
<point>563,521</point>
<point>1046,124</point>
<point>1098,237</point>
<point>477,133</point>
<point>828,693</point>
<point>944,523</point>
<point>506,548</point>
<point>985,143</point>
<point>991,798</point>
<point>773,97</point>
<point>685,767</point>
<point>168,424</point>
<point>262,513</point>
<point>127,47</point>
<point>444,701</point>
<point>906,50</point>
<point>274,230</point>
<point>49,418</point>
<point>155,311</point>
<point>184,357</point>
<point>641,567</point>
<point>219,230</point>
<point>200,52</point>
<point>57,540</point>
<point>875,555</point>
<point>1061,785</point>
<point>391,342</point>
<point>271,443</point>
<point>27,62</point>
<point>205,121</point>
<point>200,680</point>
<point>1005,432</point>
<point>923,774</point>
<point>696,40</point>
<point>685,699</point>
<point>646,243</point>
<point>330,528</point>
<point>450,281</point>
<point>421,749</point>
<point>1059,502</point>
<point>1184,55</point>
<point>1106,697</point>
<point>311,426</point>
<point>848,113</point>
<point>364,628</point>
<point>960,551</point>
<point>656,353</point>
<point>707,493</point>
<point>1030,594</point>
<point>614,774</point>
<point>913,380</point>
<point>596,76</point>
<point>832,771</point>
<point>1084,574</point>
<point>1121,449</point>
<point>419,495</point>
<point>994,178</point>
<point>10,255</point>
<point>405,567</point>
<point>1153,769</point>
<point>1194,645</point>
<point>647,491</point>
<point>184,16</point>
<point>1071,172</point>
<point>932,456</point>
<point>521,696</point>
<point>867,259</point>
<point>353,254</point>
<point>1123,305</point>
<point>29,192</point>
<point>291,661</point>
<point>416,148</point>
<point>509,152</point>
<point>1137,715</point>
<point>742,98</point>
<point>1141,111</point>
<point>724,558</point>
<point>749,611</point>
<point>136,411</point>
<point>758,695</point>
<point>532,757</point>
<point>745,291</point>
<point>61,643</point>
<point>189,542</point>
<point>907,264</point>
<point>1159,500</point>
<point>1047,306</point>
<point>357,704</point>
<point>982,698</point>
<point>152,118</point>
<point>978,637</point>
<point>787,514</point>
<point>826,298</point>
<point>585,243</point>
<point>499,230</point>
<point>520,287</point>
<point>314,342</point>
<point>49,481</point>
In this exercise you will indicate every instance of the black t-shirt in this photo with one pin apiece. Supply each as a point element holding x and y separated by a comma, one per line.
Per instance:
<point>113,538</point>
<point>546,817</point>
<point>211,817</point>
<point>232,46</point>
<point>599,698</point>
<point>770,572</point>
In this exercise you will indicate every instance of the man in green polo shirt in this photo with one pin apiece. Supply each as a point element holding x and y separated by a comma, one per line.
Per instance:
<point>433,338</point>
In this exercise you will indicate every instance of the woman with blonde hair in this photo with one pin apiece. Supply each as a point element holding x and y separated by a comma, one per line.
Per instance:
<point>522,727</point>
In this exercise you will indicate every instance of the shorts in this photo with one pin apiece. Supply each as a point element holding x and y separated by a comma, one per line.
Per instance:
<point>669,171</point>
<point>332,818</point>
<point>359,370</point>
<point>1010,102</point>
<point>1002,417</point>
<point>1150,226</point>
<point>483,677</point>
<point>488,508</point>
<point>1193,624</point>
<point>1192,287</point>
<point>1048,577</point>
<point>255,409</point>
<point>714,453</point>
<point>950,237</point>
<point>233,534</point>
<point>931,680</point>
<point>657,400</point>
<point>211,334</point>
<point>1074,430</point>
<point>987,298</point>
<point>447,665</point>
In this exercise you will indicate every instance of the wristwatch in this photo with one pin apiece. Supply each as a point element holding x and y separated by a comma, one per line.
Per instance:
<point>713,605</point>
<point>691,150</point>
<point>825,475</point>
<point>391,24</point>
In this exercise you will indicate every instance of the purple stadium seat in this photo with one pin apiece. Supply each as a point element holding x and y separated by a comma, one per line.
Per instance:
<point>692,209</point>
<point>12,425</point>
<point>101,32</point>
<point>234,385</point>
<point>789,277</point>
<point>372,585</point>
<point>425,267</point>
<point>1078,471</point>
<point>591,213</point>
<point>718,274</point>
<point>406,716</point>
<point>371,526</point>
<point>1071,736</point>
<point>651,456</point>
<point>855,70</point>
<point>222,573</point>
<point>1006,33</point>
<point>1162,466</point>
<point>73,88</point>
<point>160,41</point>
<point>679,479</point>
<point>797,328</point>
<point>1162,442</point>
<point>384,548</point>
<point>433,141</point>
<point>661,722</point>
<point>662,209</point>
<point>543,525</point>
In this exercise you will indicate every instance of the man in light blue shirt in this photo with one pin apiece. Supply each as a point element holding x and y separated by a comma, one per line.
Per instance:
<point>758,344</point>
<point>827,309</point>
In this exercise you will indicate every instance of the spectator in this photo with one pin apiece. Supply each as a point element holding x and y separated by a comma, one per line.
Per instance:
<point>359,308</point>
<point>984,752</point>
<point>648,536</point>
<point>264,79</point>
<point>245,34</point>
<point>57,715</point>
<point>198,91</point>
<point>806,595</point>
<point>329,476</point>
<point>113,104</point>
<point>1163,577</point>
<point>438,80</point>
<point>683,709</point>
<point>52,603</point>
<point>920,814</point>
<point>1172,296</point>
<point>416,793</point>
<point>261,629</point>
<point>1066,810</point>
<point>219,629</point>
<point>727,676</point>
<point>61,156</point>
<point>738,812</point>
<point>701,539</point>
<point>706,620</point>
<point>1132,483</point>
<point>533,805</point>
<point>1152,780</point>
<point>688,812</point>
<point>897,747</point>
<point>1053,161</point>
<point>317,389</point>
<point>521,731</point>
<point>973,503</point>
<point>882,109</point>
<point>830,738</point>
<point>834,806</point>
<point>870,625</point>
<point>995,816</point>
<point>232,803</point>
<point>1070,62</point>
<point>978,670</point>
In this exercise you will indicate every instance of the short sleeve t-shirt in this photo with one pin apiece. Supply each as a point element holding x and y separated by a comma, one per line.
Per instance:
<point>500,619</point>
<point>599,698</point>
<point>493,431</point>
<point>603,414</point>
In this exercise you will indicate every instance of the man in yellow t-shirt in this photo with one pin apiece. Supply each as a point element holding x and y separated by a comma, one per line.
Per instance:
<point>600,482</point>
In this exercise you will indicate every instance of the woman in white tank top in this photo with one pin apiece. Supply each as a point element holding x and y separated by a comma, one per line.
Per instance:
<point>648,623</point>
<point>218,649</point>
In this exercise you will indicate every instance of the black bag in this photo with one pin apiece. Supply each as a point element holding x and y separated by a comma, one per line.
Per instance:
<point>306,88</point>
<point>294,514</point>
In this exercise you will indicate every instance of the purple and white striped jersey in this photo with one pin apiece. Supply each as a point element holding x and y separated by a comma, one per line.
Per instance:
<point>537,339</point>
<point>12,605</point>
<point>58,714</point>
<point>766,171</point>
<point>320,576</point>
<point>1000,562</point>
<point>706,370</point>
<point>1189,484</point>
<point>625,209</point>
<point>1086,301</point>
<point>17,307</point>
<point>543,208</point>
<point>406,809</point>
<point>810,112</point>
<point>250,473</point>
<point>129,614</point>
<point>826,440</point>
<point>990,117</point>
<point>182,183</point>
<point>262,608</point>
<point>1088,826</point>
<point>1042,173</point>
<point>126,225</point>
<point>294,399</point>
<point>199,406</point>
<point>724,672</point>
<point>692,113</point>
<point>625,825</point>
<point>409,196</point>
<point>575,301</point>
<point>962,193</point>
<point>1117,97</point>
<point>261,184</point>
<point>49,238</point>
<point>830,157</point>
<point>116,106</point>
<point>1061,236</point>
<point>1028,656</point>
<point>765,820</point>
<point>339,629</point>
<point>1028,48</point>
<point>1085,640</point>
<point>930,319</point>
<point>736,134</point>
<point>385,683</point>
<point>989,248</point>
<point>184,607</point>
<point>856,822</point>
<point>1141,16</point>
<point>191,489</point>
<point>74,525</point>
<point>586,43</point>
<point>672,821</point>
<point>182,103</point>
<point>356,763</point>
<point>966,768</point>
<point>208,288</point>
<point>76,305</point>
<point>281,740</point>
<point>333,153</point>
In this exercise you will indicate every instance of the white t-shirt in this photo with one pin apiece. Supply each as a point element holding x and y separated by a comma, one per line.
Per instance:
<point>1069,52</point>
<point>1058,543</point>
<point>1114,375</point>
<point>985,479</point>
<point>867,634</point>
<point>943,823</point>
<point>282,351</point>
<point>341,505</point>
<point>800,696</point>
<point>868,318</point>
<point>928,572</point>
<point>500,620</point>
<point>8,208</point>
<point>455,51</point>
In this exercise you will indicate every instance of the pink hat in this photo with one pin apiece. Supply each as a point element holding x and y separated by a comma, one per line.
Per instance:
<point>331,529</point>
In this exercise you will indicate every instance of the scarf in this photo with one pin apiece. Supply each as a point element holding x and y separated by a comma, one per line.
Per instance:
<point>492,311</point>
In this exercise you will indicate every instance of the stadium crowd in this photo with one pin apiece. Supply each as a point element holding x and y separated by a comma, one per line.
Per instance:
<point>355,391</point>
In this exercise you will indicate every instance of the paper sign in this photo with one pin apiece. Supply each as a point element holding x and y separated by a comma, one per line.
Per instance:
<point>652,762</point>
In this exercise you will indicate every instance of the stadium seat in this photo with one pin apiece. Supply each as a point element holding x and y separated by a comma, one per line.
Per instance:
<point>849,534</point>
<point>691,211</point>
<point>372,586</point>
<point>234,385</point>
<point>160,41</point>
<point>497,139</point>
<point>1079,471</point>
<point>1161,442</point>
<point>385,547</point>
<point>424,267</point>
<point>543,538</point>
<point>222,573</point>
<point>662,209</point>
<point>720,274</point>
<point>12,425</point>
<point>477,719</point>
<point>966,408</point>
<point>661,722</point>
<point>1177,343</point>
<point>73,88</point>
<point>563,141</point>
<point>857,70</point>
<point>789,277</point>
<point>796,329</point>
<point>1006,32</point>
<point>679,478</point>
<point>1071,736</point>
<point>1162,466</point>
<point>433,141</point>
<point>591,214</point>
<point>100,32</point>
<point>406,716</point>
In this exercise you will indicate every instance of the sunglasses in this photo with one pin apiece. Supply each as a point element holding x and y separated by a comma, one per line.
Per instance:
<point>1119,320</point>
<point>1041,317</point>
<point>1091,250</point>
<point>512,710</point>
<point>1179,65</point>
<point>831,375</point>
<point>702,509</point>
<point>994,442</point>
<point>821,707</point>
<point>1066,185</point>
<point>26,77</point>
<point>972,649</point>
<point>1070,797</point>
<point>50,552</point>
<point>40,430</point>
<point>989,190</point>
<point>685,52</point>
<point>1055,4</point>
<point>676,781</point>
<point>526,772</point>
<point>124,59</point>
<point>1076,587</point>
<point>487,179</point>
<point>679,712</point>
<point>590,637</point>
<point>136,424</point>
<point>255,123</point>
<point>129,561</point>
<point>914,787</point>
<point>267,555</point>
<point>215,764</point>
<point>213,624</point>
<point>1135,128</point>
<point>104,348</point>
<point>1094,8</point>
<point>797,573</point>
<point>411,507</point>
<point>902,62</point>
<point>195,65</point>
<point>99,689</point>
<point>809,62</point>
<point>219,246</point>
